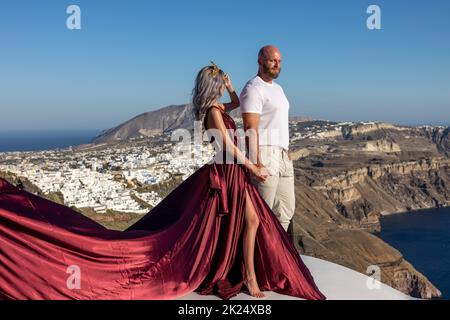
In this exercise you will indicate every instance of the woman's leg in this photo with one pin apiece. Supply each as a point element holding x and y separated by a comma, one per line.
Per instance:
<point>251,226</point>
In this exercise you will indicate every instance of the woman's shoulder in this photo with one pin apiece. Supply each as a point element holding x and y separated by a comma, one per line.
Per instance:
<point>221,107</point>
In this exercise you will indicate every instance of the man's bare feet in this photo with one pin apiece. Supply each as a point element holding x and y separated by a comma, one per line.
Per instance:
<point>252,286</point>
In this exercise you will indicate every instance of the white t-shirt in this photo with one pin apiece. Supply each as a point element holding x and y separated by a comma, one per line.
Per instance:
<point>268,100</point>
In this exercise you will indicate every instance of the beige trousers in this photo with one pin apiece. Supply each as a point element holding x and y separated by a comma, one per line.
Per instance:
<point>278,189</point>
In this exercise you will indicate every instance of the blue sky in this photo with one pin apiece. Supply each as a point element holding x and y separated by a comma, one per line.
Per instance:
<point>135,56</point>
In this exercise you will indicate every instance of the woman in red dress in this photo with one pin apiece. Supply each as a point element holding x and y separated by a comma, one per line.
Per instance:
<point>213,234</point>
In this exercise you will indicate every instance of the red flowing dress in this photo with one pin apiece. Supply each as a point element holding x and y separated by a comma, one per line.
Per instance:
<point>191,241</point>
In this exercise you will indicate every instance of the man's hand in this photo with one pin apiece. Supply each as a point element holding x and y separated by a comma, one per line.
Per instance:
<point>260,173</point>
<point>263,169</point>
<point>290,155</point>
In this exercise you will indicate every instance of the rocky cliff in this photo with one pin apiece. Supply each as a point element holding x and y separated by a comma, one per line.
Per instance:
<point>344,184</point>
<point>335,217</point>
<point>364,193</point>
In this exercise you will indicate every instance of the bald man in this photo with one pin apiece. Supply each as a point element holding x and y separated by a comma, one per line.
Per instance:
<point>265,109</point>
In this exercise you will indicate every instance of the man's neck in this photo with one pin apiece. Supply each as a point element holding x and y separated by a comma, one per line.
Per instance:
<point>265,77</point>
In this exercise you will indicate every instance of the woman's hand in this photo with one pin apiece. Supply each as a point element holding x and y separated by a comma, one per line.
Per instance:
<point>233,96</point>
<point>260,172</point>
<point>228,84</point>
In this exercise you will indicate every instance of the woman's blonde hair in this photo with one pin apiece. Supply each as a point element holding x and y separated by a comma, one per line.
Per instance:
<point>208,89</point>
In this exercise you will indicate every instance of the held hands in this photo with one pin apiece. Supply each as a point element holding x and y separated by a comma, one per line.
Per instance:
<point>259,171</point>
<point>290,155</point>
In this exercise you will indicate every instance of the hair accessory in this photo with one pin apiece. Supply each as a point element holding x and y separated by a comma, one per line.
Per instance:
<point>215,69</point>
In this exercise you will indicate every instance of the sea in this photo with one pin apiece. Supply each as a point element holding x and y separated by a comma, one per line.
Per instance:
<point>423,237</point>
<point>44,140</point>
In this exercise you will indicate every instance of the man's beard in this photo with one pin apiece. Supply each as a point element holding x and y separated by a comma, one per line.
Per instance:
<point>270,72</point>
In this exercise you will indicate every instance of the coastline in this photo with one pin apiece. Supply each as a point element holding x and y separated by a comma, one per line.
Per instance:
<point>423,239</point>
<point>386,214</point>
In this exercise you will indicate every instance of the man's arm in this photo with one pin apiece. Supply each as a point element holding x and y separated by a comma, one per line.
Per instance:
<point>251,107</point>
<point>251,126</point>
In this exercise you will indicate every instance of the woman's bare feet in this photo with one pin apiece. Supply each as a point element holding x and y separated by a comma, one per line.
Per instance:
<point>252,286</point>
